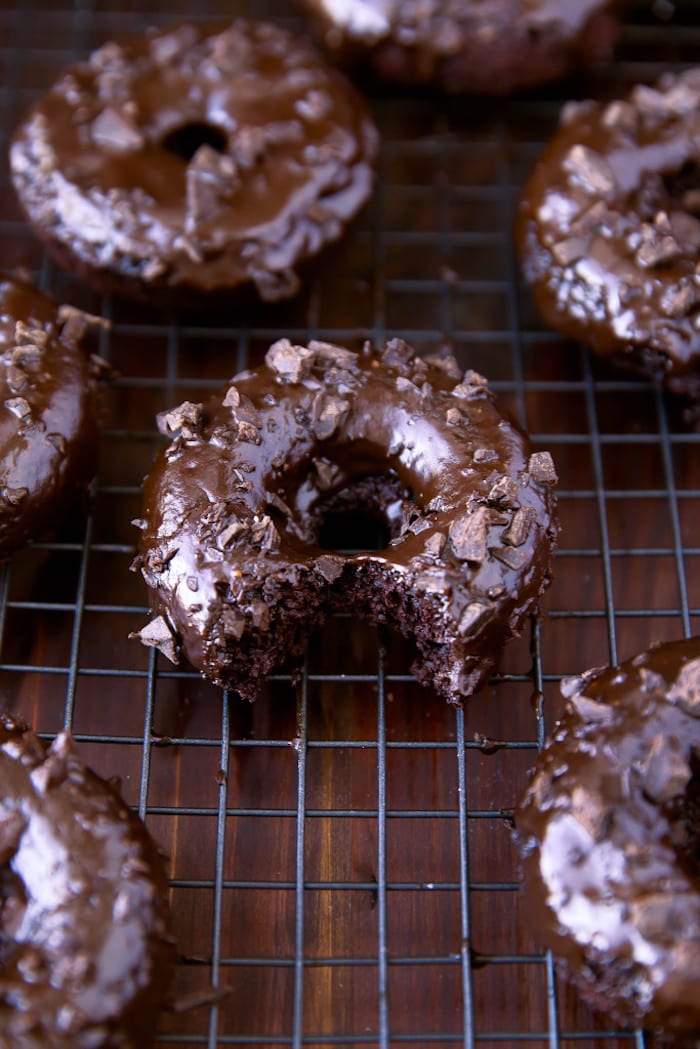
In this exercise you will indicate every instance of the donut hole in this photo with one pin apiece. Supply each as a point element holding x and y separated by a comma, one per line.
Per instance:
<point>364,515</point>
<point>184,141</point>
<point>353,531</point>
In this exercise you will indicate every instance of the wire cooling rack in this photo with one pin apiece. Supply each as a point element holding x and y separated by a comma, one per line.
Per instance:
<point>340,853</point>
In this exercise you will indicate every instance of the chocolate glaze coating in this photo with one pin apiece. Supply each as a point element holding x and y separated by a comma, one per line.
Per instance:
<point>608,831</point>
<point>233,510</point>
<point>609,230</point>
<point>48,412</point>
<point>195,161</point>
<point>490,47</point>
<point>85,954</point>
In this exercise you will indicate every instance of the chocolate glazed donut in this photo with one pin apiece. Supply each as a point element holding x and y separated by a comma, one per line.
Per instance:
<point>234,507</point>
<point>491,47</point>
<point>609,831</point>
<point>609,230</point>
<point>195,162</point>
<point>48,412</point>
<point>85,952</point>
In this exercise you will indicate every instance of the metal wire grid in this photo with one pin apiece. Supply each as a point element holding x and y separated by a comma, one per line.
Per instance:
<point>299,880</point>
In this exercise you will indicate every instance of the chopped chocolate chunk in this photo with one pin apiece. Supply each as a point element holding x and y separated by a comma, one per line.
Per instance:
<point>434,545</point>
<point>58,441</point>
<point>327,352</point>
<point>19,406</point>
<point>504,492</point>
<point>228,535</point>
<point>570,250</point>
<point>474,616</point>
<point>112,131</point>
<point>447,364</point>
<point>326,474</point>
<point>16,378</point>
<point>469,534</point>
<point>186,420</point>
<point>657,250</point>
<point>327,415</point>
<point>518,530</point>
<point>292,363</point>
<point>512,556</point>
<point>485,455</point>
<point>232,398</point>
<point>397,354</point>
<point>405,386</point>
<point>455,417</point>
<point>330,567</point>
<point>590,170</point>
<point>472,388</point>
<point>541,468</point>
<point>157,634</point>
<point>15,496</point>
<point>433,580</point>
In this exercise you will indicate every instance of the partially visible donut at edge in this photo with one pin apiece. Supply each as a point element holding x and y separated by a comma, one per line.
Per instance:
<point>233,510</point>
<point>49,404</point>
<point>193,163</point>
<point>87,954</point>
<point>490,47</point>
<point>608,230</point>
<point>609,834</point>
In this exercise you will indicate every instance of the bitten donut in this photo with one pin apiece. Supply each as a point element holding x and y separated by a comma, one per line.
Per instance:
<point>194,162</point>
<point>234,507</point>
<point>85,952</point>
<point>609,833</point>
<point>48,412</point>
<point>489,47</point>
<point>609,230</point>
